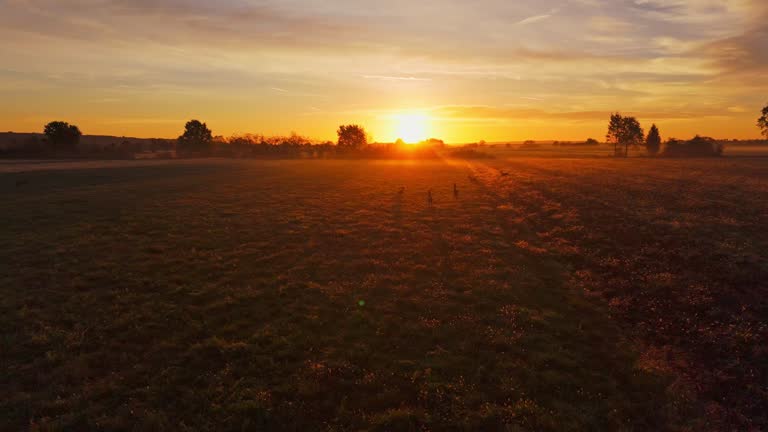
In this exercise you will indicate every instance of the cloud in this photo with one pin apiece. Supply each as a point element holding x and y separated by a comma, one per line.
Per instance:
<point>742,53</point>
<point>577,59</point>
<point>609,24</point>
<point>742,59</point>
<point>395,78</point>
<point>511,113</point>
<point>537,18</point>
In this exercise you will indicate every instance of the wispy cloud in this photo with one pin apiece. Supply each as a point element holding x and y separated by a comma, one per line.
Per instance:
<point>574,58</point>
<point>395,78</point>
<point>537,18</point>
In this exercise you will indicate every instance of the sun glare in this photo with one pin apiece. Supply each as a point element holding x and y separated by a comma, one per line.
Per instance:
<point>412,127</point>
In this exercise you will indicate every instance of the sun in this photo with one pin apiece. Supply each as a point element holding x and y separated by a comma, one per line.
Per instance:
<point>412,127</point>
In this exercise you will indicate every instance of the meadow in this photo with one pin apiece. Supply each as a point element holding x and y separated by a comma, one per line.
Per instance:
<point>565,294</point>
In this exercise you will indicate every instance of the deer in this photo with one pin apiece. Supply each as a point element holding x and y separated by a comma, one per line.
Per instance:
<point>455,191</point>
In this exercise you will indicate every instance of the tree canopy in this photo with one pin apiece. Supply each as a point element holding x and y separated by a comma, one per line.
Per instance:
<point>624,131</point>
<point>62,135</point>
<point>197,138</point>
<point>352,136</point>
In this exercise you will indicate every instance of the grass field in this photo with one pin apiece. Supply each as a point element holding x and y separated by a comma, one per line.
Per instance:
<point>571,294</point>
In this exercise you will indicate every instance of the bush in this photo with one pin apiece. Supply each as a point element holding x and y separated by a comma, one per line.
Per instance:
<point>697,147</point>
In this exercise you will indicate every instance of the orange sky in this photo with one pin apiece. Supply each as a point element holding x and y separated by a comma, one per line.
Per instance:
<point>490,69</point>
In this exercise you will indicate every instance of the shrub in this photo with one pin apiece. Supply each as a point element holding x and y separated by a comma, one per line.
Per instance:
<point>697,147</point>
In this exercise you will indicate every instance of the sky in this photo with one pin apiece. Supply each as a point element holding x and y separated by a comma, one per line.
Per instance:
<point>494,70</point>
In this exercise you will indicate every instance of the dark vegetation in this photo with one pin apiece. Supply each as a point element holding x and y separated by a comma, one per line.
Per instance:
<point>38,146</point>
<point>653,141</point>
<point>197,140</point>
<point>696,147</point>
<point>588,142</point>
<point>352,137</point>
<point>62,136</point>
<point>62,140</point>
<point>624,132</point>
<point>762,122</point>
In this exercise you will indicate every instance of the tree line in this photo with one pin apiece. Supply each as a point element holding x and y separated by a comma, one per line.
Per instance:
<point>352,142</point>
<point>624,132</point>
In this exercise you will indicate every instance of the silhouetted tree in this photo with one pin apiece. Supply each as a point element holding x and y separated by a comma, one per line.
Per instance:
<point>762,122</point>
<point>352,136</point>
<point>197,138</point>
<point>591,141</point>
<point>624,131</point>
<point>653,141</point>
<point>62,135</point>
